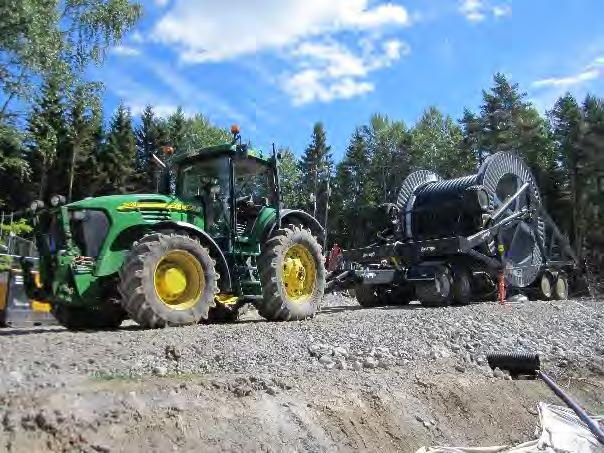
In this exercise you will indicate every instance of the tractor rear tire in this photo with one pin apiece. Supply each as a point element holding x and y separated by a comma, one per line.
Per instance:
<point>292,273</point>
<point>168,280</point>
<point>107,316</point>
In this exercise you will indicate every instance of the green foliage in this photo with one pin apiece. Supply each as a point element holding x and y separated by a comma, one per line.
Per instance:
<point>47,132</point>
<point>151,135</point>
<point>62,36</point>
<point>316,164</point>
<point>198,132</point>
<point>13,165</point>
<point>436,144</point>
<point>118,155</point>
<point>291,178</point>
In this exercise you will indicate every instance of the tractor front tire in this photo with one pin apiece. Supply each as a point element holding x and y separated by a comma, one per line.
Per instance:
<point>168,280</point>
<point>292,273</point>
<point>107,316</point>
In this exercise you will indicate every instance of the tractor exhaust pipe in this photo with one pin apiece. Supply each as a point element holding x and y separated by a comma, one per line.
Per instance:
<point>529,364</point>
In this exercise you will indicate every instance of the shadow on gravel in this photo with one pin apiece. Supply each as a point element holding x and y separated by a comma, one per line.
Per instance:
<point>12,331</point>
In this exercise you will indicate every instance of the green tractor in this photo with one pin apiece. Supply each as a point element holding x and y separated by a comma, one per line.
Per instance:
<point>215,239</point>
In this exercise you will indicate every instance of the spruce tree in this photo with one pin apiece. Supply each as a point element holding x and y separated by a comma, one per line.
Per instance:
<point>47,132</point>
<point>84,121</point>
<point>176,127</point>
<point>119,153</point>
<point>316,164</point>
<point>150,137</point>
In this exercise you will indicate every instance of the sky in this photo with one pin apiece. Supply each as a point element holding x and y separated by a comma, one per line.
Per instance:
<point>275,67</point>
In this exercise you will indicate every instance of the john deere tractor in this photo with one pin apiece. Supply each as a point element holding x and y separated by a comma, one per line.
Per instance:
<point>216,238</point>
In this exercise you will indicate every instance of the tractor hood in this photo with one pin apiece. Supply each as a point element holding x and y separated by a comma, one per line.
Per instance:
<point>137,202</point>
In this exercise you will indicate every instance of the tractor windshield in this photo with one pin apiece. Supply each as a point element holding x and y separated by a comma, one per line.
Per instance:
<point>254,180</point>
<point>207,182</point>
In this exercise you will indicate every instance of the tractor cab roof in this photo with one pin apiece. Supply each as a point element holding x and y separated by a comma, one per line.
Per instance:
<point>242,153</point>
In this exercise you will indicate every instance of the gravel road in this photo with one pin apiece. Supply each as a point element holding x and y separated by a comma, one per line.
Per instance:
<point>344,343</point>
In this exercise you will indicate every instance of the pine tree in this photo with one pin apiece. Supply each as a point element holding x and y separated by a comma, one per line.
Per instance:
<point>84,121</point>
<point>352,193</point>
<point>566,122</point>
<point>592,176</point>
<point>119,153</point>
<point>150,137</point>
<point>48,137</point>
<point>176,124</point>
<point>316,164</point>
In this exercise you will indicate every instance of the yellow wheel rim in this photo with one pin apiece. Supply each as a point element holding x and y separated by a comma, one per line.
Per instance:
<point>299,273</point>
<point>179,280</point>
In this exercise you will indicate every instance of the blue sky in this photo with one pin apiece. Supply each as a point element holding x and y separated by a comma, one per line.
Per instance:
<point>277,66</point>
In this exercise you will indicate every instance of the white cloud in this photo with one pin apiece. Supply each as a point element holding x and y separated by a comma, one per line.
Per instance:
<point>207,31</point>
<point>137,37</point>
<point>479,10</point>
<point>502,10</point>
<point>592,71</point>
<point>125,51</point>
<point>329,70</point>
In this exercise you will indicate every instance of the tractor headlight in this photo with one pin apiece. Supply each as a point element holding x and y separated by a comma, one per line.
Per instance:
<point>36,205</point>
<point>57,200</point>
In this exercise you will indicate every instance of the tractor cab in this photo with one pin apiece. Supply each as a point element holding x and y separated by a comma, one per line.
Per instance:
<point>232,185</point>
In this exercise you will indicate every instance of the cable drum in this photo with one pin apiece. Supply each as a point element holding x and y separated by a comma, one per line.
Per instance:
<point>502,174</point>
<point>431,208</point>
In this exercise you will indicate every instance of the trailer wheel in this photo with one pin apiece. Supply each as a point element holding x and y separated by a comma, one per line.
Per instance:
<point>400,295</point>
<point>106,316</point>
<point>438,292</point>
<point>367,296</point>
<point>168,280</point>
<point>462,287</point>
<point>546,286</point>
<point>561,287</point>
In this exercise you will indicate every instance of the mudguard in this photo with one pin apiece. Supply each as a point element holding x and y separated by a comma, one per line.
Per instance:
<point>296,216</point>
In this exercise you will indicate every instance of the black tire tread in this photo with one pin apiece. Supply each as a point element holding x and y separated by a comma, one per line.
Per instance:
<point>272,306</point>
<point>131,287</point>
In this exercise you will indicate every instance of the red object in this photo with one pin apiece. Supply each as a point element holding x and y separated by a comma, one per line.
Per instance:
<point>501,289</point>
<point>334,257</point>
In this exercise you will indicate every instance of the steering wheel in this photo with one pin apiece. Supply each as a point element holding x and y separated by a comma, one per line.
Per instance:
<point>247,199</point>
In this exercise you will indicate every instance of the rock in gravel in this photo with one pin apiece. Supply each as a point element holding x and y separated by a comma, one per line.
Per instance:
<point>370,362</point>
<point>341,364</point>
<point>340,351</point>
<point>356,365</point>
<point>325,360</point>
<point>173,352</point>
<point>160,370</point>
<point>460,368</point>
<point>498,373</point>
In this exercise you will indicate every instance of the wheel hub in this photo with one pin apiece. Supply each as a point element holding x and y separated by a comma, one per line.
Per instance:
<point>179,280</point>
<point>299,273</point>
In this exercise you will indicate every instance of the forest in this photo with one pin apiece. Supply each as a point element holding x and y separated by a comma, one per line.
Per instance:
<point>56,139</point>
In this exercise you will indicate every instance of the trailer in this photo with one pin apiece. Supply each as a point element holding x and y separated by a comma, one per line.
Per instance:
<point>464,239</point>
